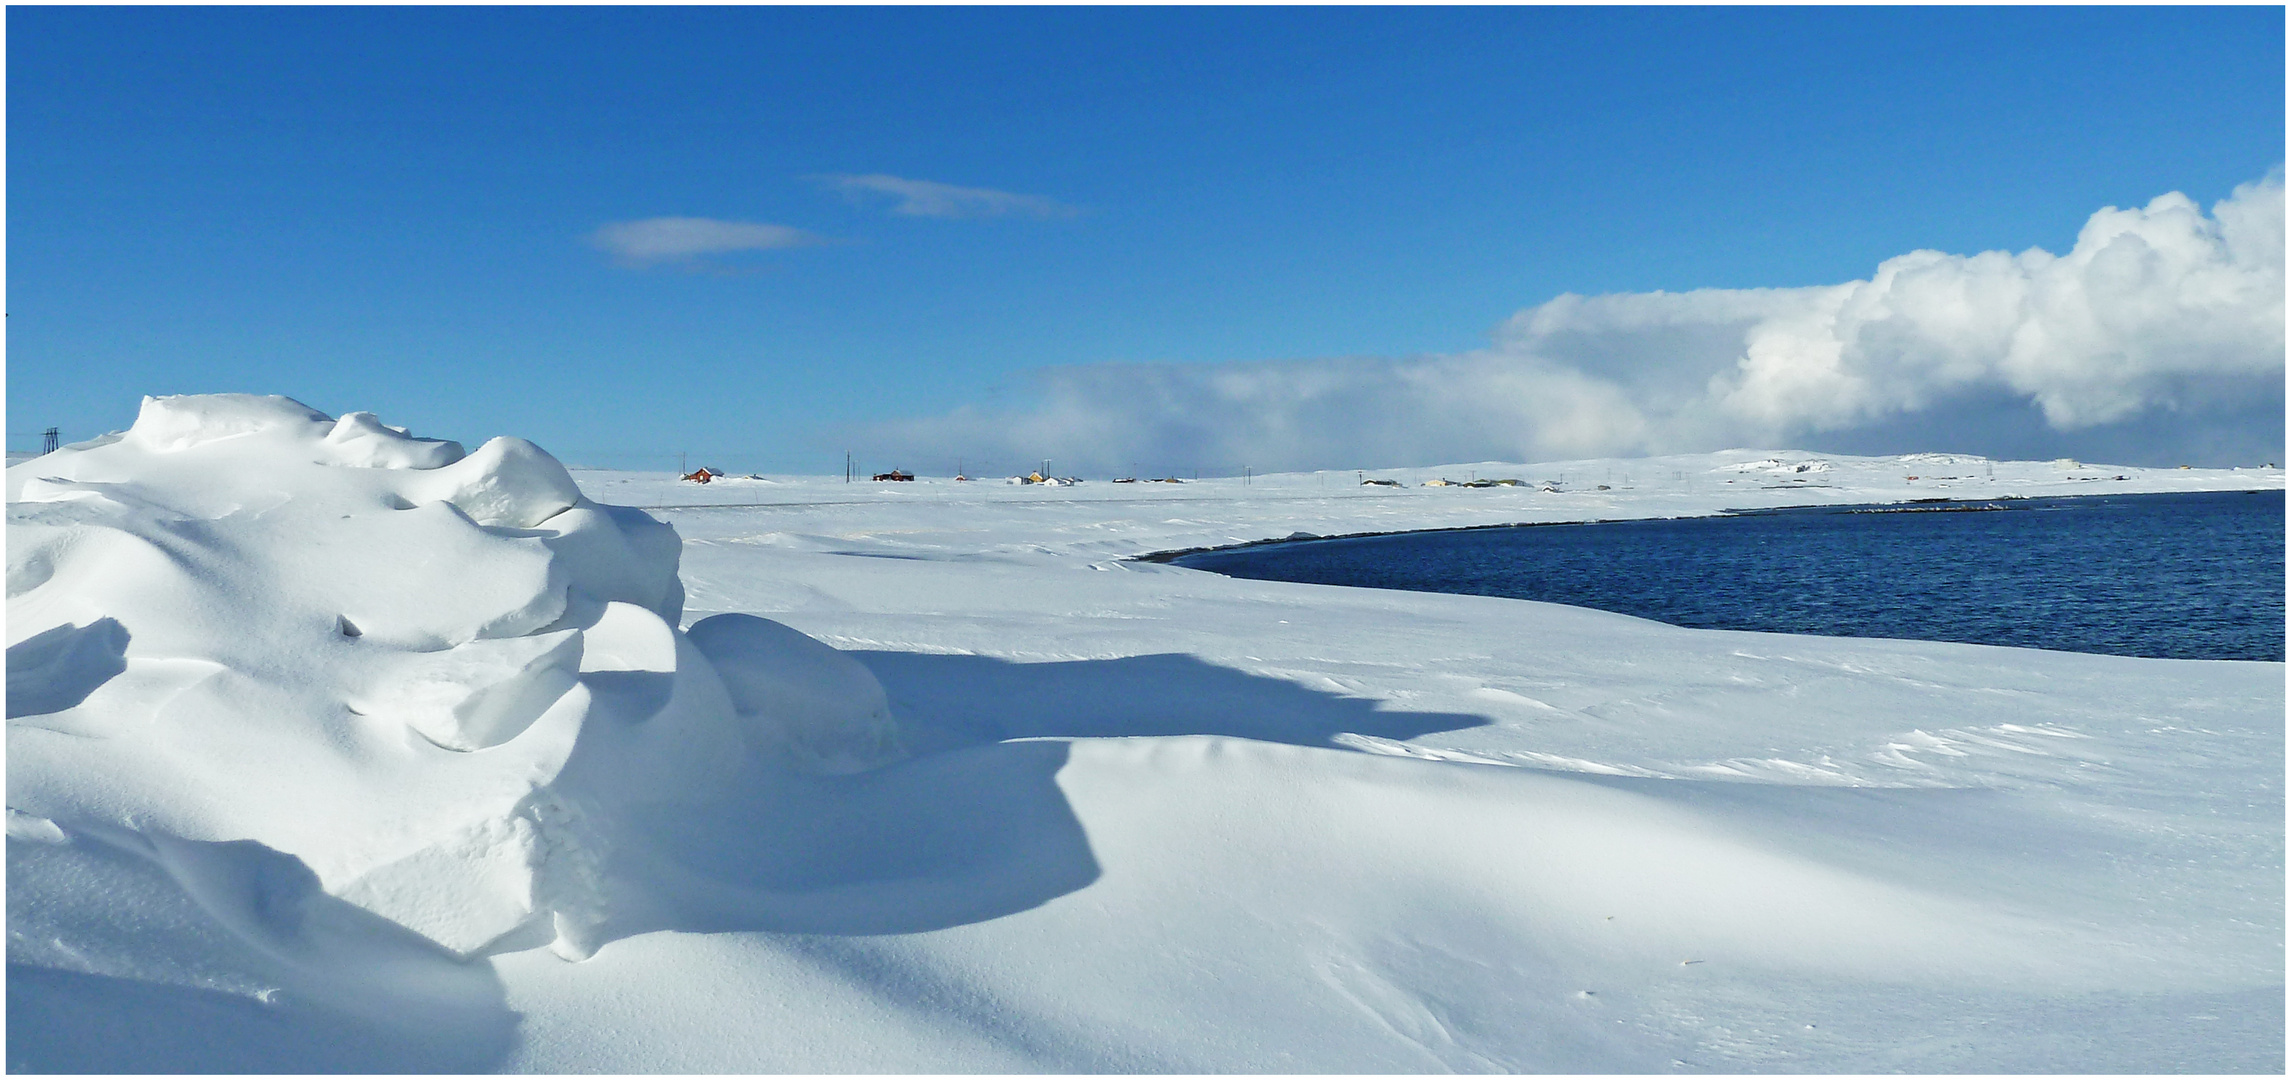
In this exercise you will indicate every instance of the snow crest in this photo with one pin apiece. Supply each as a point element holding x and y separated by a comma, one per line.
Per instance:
<point>440,680</point>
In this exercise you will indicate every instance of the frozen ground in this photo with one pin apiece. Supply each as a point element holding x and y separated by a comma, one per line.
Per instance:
<point>331,751</point>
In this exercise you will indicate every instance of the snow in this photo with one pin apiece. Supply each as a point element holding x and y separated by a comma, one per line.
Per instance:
<point>335,749</point>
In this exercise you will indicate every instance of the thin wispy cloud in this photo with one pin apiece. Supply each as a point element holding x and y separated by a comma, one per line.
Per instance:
<point>927,198</point>
<point>2158,336</point>
<point>681,239</point>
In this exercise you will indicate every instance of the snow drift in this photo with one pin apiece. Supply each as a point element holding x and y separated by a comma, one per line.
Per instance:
<point>438,680</point>
<point>330,747</point>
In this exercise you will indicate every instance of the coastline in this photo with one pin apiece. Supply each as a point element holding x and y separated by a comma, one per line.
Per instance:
<point>937,518</point>
<point>1925,505</point>
<point>1124,816</point>
<point>1002,618</point>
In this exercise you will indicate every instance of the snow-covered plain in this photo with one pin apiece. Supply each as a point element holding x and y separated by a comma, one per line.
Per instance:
<point>330,748</point>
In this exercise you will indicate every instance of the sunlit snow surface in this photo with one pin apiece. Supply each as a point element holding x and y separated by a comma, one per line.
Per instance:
<point>1131,817</point>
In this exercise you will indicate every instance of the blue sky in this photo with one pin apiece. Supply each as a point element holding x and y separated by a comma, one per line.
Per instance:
<point>411,211</point>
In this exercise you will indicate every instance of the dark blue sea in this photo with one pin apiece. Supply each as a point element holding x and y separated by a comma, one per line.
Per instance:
<point>2196,576</point>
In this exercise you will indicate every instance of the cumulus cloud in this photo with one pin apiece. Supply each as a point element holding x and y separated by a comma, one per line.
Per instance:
<point>678,239</point>
<point>2159,335</point>
<point>926,198</point>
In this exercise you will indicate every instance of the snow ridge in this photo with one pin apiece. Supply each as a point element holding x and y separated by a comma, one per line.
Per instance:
<point>243,620</point>
<point>336,749</point>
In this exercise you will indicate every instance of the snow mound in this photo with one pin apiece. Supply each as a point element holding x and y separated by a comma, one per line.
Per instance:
<point>439,680</point>
<point>1778,465</point>
<point>833,719</point>
<point>1942,459</point>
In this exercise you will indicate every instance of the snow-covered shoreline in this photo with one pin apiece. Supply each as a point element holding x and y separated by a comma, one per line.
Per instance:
<point>939,516</point>
<point>1126,816</point>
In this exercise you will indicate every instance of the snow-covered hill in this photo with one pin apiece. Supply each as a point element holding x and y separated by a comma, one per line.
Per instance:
<point>330,748</point>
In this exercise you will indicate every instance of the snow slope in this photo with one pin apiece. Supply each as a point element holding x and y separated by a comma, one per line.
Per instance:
<point>1045,807</point>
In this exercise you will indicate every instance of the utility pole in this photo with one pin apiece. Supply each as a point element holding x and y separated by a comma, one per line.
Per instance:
<point>680,469</point>
<point>49,439</point>
<point>847,466</point>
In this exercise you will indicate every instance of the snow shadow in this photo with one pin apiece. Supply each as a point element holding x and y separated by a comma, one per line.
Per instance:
<point>69,1022</point>
<point>975,826</point>
<point>233,961</point>
<point>629,693</point>
<point>944,701</point>
<point>941,840</point>
<point>58,668</point>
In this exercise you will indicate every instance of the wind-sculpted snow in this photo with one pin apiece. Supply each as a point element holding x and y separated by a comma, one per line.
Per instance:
<point>329,748</point>
<point>437,681</point>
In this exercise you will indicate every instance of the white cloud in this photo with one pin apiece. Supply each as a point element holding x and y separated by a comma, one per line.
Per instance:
<point>675,239</point>
<point>2158,329</point>
<point>2147,299</point>
<point>926,198</point>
